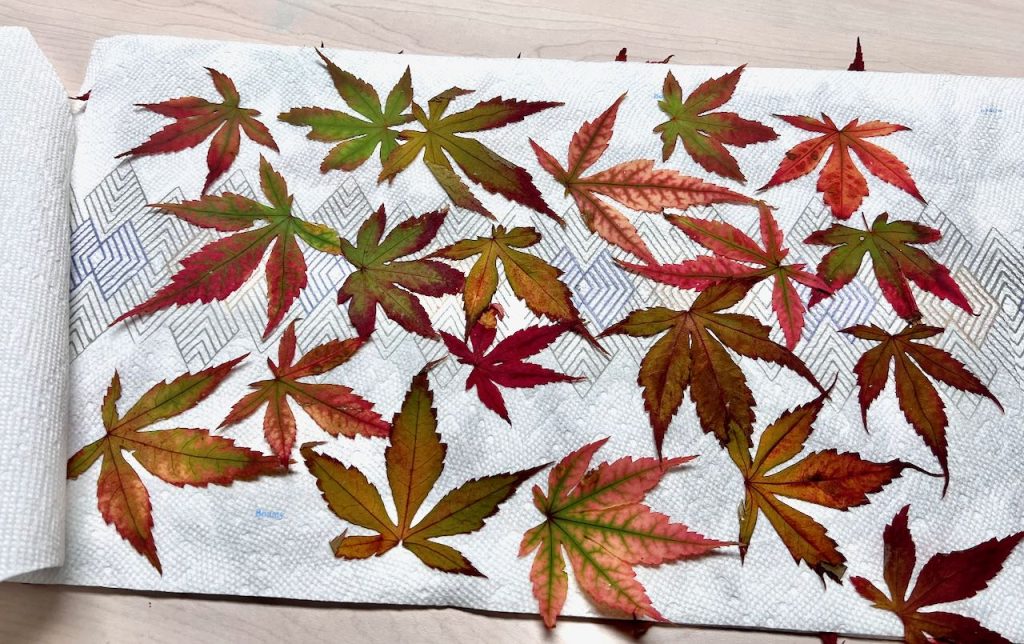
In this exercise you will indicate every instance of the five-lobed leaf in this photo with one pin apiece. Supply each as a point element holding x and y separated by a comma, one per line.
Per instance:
<point>357,138</point>
<point>382,277</point>
<point>180,456</point>
<point>442,141</point>
<point>737,257</point>
<point>840,181</point>
<point>914,363</point>
<point>414,462</point>
<point>334,408</point>
<point>896,261</point>
<point>691,354</point>
<point>196,119</point>
<point>944,578</point>
<point>221,267</point>
<point>598,519</point>
<point>505,364</point>
<point>705,133</point>
<point>634,184</point>
<point>838,480</point>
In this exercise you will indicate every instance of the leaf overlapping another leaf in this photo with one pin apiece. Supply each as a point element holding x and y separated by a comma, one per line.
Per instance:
<point>382,277</point>
<point>944,578</point>
<point>334,408</point>
<point>838,480</point>
<point>737,257</point>
<point>414,462</point>
<point>599,520</point>
<point>691,354</point>
<point>180,456</point>
<point>505,364</point>
<point>443,141</point>
<point>196,119</point>
<point>221,267</point>
<point>637,185</point>
<point>914,363</point>
<point>704,133</point>
<point>357,138</point>
<point>841,182</point>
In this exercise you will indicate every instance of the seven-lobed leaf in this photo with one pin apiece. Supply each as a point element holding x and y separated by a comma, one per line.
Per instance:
<point>838,480</point>
<point>692,355</point>
<point>704,133</point>
<point>944,578</point>
<point>382,277</point>
<point>334,408</point>
<point>221,267</point>
<point>505,363</point>
<point>356,137</point>
<point>896,261</point>
<point>196,119</point>
<point>914,363</point>
<point>634,184</point>
<point>414,461</point>
<point>442,141</point>
<point>599,520</point>
<point>179,456</point>
<point>841,182</point>
<point>738,257</point>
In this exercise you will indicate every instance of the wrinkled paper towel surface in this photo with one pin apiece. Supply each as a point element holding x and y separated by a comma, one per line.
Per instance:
<point>270,537</point>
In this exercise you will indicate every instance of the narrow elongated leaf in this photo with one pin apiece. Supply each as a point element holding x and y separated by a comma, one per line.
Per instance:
<point>944,578</point>
<point>180,456</point>
<point>414,462</point>
<point>334,408</point>
<point>599,520</point>
<point>197,119</point>
<point>634,184</point>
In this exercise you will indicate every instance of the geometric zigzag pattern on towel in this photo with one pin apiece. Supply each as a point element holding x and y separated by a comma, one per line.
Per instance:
<point>122,252</point>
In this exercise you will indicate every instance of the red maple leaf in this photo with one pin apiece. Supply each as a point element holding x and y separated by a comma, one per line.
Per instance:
<point>196,119</point>
<point>505,364</point>
<point>841,182</point>
<point>737,257</point>
<point>944,578</point>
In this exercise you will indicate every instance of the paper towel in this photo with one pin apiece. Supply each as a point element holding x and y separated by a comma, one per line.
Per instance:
<point>964,153</point>
<point>36,146</point>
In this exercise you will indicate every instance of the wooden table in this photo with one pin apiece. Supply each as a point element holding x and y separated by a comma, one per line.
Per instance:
<point>982,37</point>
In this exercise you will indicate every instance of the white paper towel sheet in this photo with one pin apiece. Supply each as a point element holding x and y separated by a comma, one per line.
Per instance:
<point>270,537</point>
<point>36,147</point>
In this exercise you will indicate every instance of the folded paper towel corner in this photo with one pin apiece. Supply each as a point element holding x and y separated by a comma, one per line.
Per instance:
<point>315,324</point>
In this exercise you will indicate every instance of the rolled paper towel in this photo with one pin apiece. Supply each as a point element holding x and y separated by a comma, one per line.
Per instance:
<point>36,147</point>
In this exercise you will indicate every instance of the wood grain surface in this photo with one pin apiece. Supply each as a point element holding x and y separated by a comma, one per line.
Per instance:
<point>981,37</point>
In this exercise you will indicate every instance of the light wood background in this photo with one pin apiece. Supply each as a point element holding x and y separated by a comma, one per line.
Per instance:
<point>982,37</point>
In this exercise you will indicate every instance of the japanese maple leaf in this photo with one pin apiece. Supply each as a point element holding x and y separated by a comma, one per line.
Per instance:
<point>180,456</point>
<point>838,480</point>
<point>692,355</point>
<point>634,184</point>
<point>357,137</point>
<point>944,578</point>
<point>599,520</point>
<point>221,267</point>
<point>533,280</point>
<point>623,57</point>
<point>895,259</point>
<point>336,409</point>
<point>840,181</point>
<point>858,59</point>
<point>443,141</point>
<point>382,277</point>
<point>196,119</point>
<point>705,133</point>
<point>414,462</point>
<point>505,364</point>
<point>738,257</point>
<point>914,364</point>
